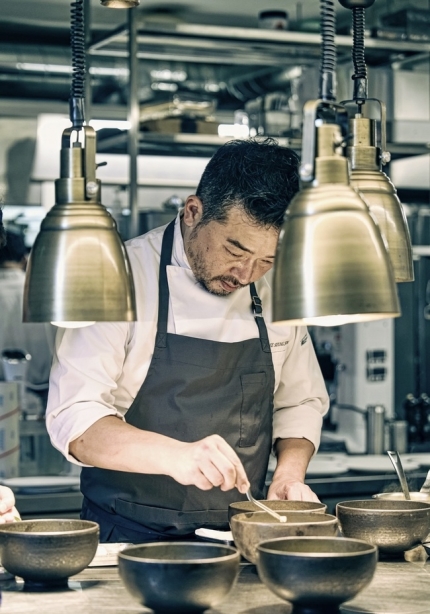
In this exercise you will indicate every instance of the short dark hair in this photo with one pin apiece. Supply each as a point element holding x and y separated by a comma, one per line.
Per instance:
<point>14,250</point>
<point>260,176</point>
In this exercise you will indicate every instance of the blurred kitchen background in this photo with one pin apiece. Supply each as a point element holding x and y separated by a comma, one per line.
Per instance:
<point>205,73</point>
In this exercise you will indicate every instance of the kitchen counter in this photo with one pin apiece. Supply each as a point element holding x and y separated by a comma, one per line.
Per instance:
<point>398,587</point>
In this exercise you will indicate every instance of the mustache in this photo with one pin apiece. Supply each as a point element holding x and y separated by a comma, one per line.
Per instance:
<point>229,280</point>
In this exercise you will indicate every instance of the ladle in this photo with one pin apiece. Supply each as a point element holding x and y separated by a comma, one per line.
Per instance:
<point>397,464</point>
<point>264,507</point>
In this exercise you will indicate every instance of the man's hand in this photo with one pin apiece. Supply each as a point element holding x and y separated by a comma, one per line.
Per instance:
<point>288,479</point>
<point>111,443</point>
<point>294,490</point>
<point>207,463</point>
<point>8,511</point>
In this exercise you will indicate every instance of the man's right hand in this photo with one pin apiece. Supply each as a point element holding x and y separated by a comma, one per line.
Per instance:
<point>111,443</point>
<point>207,463</point>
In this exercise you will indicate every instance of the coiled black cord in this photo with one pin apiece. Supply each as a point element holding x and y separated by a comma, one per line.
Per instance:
<point>358,27</point>
<point>77,41</point>
<point>328,51</point>
<point>358,59</point>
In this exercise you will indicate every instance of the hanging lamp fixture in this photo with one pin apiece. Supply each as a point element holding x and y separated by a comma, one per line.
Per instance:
<point>332,266</point>
<point>120,4</point>
<point>78,271</point>
<point>367,158</point>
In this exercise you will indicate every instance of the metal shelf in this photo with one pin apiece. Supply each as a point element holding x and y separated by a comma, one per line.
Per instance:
<point>219,45</point>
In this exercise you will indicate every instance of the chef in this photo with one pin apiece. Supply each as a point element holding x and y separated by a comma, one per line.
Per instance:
<point>174,416</point>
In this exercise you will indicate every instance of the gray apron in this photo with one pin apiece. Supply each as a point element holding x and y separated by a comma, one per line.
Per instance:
<point>194,388</point>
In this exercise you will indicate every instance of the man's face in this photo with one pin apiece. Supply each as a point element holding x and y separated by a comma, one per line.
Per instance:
<point>2,231</point>
<point>225,256</point>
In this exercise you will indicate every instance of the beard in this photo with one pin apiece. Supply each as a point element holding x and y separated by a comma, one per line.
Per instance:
<point>202,274</point>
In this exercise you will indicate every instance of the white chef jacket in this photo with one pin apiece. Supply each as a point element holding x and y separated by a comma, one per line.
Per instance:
<point>98,370</point>
<point>36,339</point>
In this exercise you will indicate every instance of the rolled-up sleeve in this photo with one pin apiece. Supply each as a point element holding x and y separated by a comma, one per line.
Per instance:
<point>301,398</point>
<point>86,367</point>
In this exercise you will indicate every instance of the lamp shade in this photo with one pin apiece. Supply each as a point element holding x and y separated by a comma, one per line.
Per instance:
<point>332,266</point>
<point>78,270</point>
<point>380,195</point>
<point>120,4</point>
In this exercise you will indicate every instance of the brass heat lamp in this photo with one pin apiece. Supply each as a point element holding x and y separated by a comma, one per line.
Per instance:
<point>332,266</point>
<point>120,4</point>
<point>78,271</point>
<point>379,193</point>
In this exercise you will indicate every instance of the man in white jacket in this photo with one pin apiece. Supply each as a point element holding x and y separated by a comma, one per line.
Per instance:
<point>174,416</point>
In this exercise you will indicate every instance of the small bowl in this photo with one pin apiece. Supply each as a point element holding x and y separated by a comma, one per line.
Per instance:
<point>399,496</point>
<point>179,576</point>
<point>48,552</point>
<point>393,526</point>
<point>240,507</point>
<point>318,573</point>
<point>251,529</point>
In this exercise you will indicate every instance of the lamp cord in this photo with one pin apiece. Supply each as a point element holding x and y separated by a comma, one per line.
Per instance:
<point>360,71</point>
<point>77,41</point>
<point>328,51</point>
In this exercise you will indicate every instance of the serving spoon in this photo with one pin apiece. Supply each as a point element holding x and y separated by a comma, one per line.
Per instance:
<point>397,464</point>
<point>264,507</point>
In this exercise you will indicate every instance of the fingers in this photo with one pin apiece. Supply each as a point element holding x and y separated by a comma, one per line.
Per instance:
<point>7,499</point>
<point>211,462</point>
<point>293,491</point>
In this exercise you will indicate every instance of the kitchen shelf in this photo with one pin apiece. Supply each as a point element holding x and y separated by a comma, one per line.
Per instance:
<point>220,44</point>
<point>205,144</point>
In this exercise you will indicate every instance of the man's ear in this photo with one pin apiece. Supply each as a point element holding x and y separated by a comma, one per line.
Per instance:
<point>193,211</point>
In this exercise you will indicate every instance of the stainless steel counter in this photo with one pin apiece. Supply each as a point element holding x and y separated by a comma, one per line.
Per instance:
<point>397,588</point>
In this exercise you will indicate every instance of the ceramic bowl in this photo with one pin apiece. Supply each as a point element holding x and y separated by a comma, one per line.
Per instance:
<point>48,552</point>
<point>316,574</point>
<point>240,507</point>
<point>392,525</point>
<point>179,576</point>
<point>255,527</point>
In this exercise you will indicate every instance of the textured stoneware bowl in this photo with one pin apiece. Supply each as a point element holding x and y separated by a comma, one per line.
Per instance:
<point>251,529</point>
<point>179,576</point>
<point>393,526</point>
<point>316,574</point>
<point>399,496</point>
<point>47,552</point>
<point>240,507</point>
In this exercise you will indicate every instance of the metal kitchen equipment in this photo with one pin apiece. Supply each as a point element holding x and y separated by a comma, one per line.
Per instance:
<point>250,529</point>
<point>375,416</point>
<point>179,576</point>
<point>45,553</point>
<point>397,464</point>
<point>316,574</point>
<point>15,366</point>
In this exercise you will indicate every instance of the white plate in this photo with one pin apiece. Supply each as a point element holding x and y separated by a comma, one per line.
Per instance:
<point>423,460</point>
<point>375,463</point>
<point>327,467</point>
<point>42,484</point>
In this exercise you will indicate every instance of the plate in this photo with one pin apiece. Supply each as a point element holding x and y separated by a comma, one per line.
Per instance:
<point>42,484</point>
<point>423,460</point>
<point>327,467</point>
<point>375,463</point>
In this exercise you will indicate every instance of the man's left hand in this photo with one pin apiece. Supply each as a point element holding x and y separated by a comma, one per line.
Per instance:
<point>291,489</point>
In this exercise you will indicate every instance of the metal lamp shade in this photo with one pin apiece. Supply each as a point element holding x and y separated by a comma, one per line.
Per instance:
<point>384,204</point>
<point>120,4</point>
<point>78,269</point>
<point>332,266</point>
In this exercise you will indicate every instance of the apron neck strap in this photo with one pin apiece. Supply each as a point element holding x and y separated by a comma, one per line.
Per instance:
<point>163,295</point>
